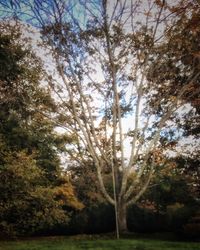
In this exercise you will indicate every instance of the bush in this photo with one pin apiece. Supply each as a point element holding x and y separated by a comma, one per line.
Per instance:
<point>98,218</point>
<point>192,229</point>
<point>144,220</point>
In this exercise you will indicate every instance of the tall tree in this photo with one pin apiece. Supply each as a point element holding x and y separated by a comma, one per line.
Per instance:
<point>32,186</point>
<point>112,101</point>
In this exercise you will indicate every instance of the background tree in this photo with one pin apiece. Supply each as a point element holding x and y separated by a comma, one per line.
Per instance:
<point>180,64</point>
<point>33,188</point>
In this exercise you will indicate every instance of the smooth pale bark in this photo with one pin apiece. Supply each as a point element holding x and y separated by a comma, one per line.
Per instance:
<point>122,217</point>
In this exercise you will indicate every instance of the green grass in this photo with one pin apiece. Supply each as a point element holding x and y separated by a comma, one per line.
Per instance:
<point>62,243</point>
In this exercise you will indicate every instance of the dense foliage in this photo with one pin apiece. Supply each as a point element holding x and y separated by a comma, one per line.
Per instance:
<point>33,189</point>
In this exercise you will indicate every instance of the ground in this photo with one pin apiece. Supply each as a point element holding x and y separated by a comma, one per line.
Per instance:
<point>76,243</point>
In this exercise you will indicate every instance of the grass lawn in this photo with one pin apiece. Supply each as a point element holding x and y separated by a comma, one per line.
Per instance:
<point>62,243</point>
